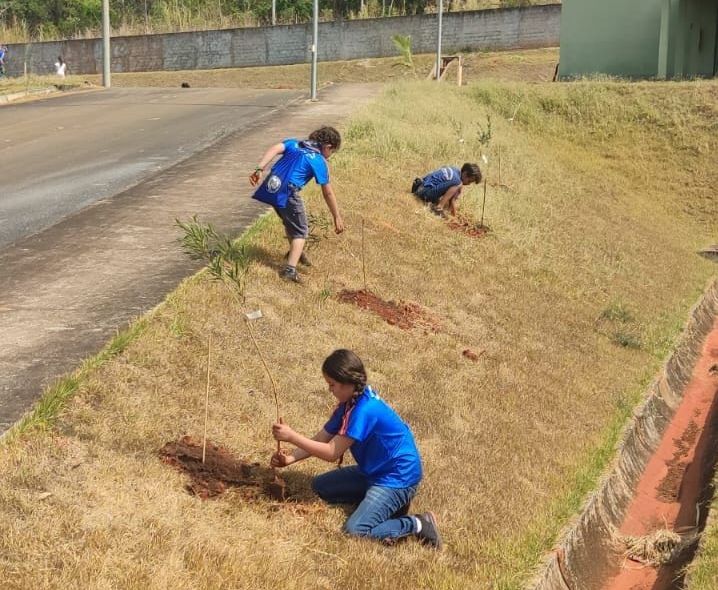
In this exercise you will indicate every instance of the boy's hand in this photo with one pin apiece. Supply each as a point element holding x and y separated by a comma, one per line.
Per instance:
<point>281,460</point>
<point>338,224</point>
<point>282,431</point>
<point>255,177</point>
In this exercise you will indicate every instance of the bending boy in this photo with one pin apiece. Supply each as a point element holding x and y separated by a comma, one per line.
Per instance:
<point>300,161</point>
<point>442,188</point>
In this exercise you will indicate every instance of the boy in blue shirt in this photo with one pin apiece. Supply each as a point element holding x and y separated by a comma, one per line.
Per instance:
<point>388,470</point>
<point>442,188</point>
<point>300,162</point>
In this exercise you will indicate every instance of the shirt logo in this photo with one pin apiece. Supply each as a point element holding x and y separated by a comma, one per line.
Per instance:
<point>274,183</point>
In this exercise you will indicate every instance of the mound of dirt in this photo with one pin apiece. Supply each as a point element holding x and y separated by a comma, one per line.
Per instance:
<point>220,470</point>
<point>404,315</point>
<point>465,226</point>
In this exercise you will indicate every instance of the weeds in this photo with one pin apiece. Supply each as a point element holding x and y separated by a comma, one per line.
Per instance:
<point>227,259</point>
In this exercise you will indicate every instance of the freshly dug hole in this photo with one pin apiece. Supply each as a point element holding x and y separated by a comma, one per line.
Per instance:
<point>220,470</point>
<point>468,227</point>
<point>404,315</point>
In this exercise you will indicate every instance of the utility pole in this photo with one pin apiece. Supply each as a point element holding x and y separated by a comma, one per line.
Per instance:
<point>274,12</point>
<point>438,44</point>
<point>106,82</point>
<point>315,49</point>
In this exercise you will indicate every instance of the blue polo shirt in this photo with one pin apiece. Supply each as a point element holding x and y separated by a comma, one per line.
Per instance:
<point>384,447</point>
<point>300,163</point>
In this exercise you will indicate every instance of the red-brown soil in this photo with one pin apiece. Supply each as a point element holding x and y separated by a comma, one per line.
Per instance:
<point>220,471</point>
<point>404,315</point>
<point>673,484</point>
<point>468,227</point>
<point>471,355</point>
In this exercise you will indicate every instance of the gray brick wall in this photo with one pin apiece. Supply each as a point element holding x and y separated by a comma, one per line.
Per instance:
<point>515,28</point>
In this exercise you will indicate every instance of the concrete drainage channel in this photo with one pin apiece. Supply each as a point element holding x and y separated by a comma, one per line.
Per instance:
<point>642,526</point>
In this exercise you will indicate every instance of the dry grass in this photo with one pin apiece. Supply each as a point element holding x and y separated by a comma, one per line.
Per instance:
<point>529,65</point>
<point>609,202</point>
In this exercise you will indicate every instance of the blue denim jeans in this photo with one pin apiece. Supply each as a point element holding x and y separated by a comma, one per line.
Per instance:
<point>378,505</point>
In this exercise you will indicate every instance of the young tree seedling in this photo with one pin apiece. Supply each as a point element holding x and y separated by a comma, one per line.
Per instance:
<point>483,205</point>
<point>250,317</point>
<point>363,265</point>
<point>206,398</point>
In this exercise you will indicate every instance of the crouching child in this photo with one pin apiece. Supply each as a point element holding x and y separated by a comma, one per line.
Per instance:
<point>442,188</point>
<point>388,467</point>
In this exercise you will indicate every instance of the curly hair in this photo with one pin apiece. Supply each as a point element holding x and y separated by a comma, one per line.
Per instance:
<point>327,136</point>
<point>345,367</point>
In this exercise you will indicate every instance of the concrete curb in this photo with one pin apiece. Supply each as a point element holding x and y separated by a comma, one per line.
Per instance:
<point>12,97</point>
<point>583,554</point>
<point>48,92</point>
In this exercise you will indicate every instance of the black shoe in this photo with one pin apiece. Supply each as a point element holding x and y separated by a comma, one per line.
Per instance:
<point>403,511</point>
<point>302,259</point>
<point>416,184</point>
<point>429,534</point>
<point>289,273</point>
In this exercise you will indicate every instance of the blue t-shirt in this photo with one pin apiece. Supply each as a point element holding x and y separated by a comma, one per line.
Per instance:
<point>304,163</point>
<point>384,446</point>
<point>442,179</point>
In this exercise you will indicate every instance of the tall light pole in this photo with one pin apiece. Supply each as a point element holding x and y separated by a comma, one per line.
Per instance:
<point>315,49</point>
<point>438,43</point>
<point>106,43</point>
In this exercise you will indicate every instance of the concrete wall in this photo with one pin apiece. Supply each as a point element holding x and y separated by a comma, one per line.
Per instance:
<point>515,28</point>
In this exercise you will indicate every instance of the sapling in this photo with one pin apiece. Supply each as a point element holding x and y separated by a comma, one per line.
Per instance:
<point>363,264</point>
<point>206,398</point>
<point>227,262</point>
<point>483,205</point>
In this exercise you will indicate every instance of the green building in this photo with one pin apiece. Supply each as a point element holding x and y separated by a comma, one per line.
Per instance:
<point>639,38</point>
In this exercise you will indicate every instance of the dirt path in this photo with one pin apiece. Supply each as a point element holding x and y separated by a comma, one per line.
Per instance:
<point>65,291</point>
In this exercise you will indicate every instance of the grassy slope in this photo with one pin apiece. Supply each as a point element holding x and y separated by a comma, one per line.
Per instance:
<point>611,196</point>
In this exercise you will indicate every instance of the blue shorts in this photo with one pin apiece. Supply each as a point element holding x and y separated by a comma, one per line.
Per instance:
<point>294,217</point>
<point>429,194</point>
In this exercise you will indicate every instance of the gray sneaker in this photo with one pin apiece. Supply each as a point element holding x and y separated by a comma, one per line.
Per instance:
<point>302,259</point>
<point>429,534</point>
<point>290,274</point>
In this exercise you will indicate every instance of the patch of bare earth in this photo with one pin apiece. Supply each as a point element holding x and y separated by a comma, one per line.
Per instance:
<point>402,314</point>
<point>468,227</point>
<point>220,470</point>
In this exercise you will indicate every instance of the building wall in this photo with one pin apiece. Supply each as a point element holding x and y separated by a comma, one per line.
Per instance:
<point>616,37</point>
<point>516,28</point>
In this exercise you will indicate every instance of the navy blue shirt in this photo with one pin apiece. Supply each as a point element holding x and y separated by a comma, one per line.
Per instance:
<point>384,447</point>
<point>442,179</point>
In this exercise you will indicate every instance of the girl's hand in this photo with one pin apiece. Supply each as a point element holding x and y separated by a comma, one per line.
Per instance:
<point>281,460</point>
<point>282,431</point>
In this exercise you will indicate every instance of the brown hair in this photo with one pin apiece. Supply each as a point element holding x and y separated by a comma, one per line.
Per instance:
<point>327,136</point>
<point>472,171</point>
<point>345,367</point>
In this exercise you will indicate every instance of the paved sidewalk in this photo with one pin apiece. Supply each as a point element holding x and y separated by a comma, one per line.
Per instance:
<point>65,291</point>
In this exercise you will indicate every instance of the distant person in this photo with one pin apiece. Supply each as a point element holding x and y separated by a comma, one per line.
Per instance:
<point>300,161</point>
<point>442,188</point>
<point>60,67</point>
<point>3,58</point>
<point>388,466</point>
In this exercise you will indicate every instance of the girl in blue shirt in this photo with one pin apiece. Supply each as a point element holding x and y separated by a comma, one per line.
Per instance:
<point>388,470</point>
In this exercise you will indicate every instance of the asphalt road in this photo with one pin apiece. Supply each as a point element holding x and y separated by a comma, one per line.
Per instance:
<point>66,290</point>
<point>58,156</point>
